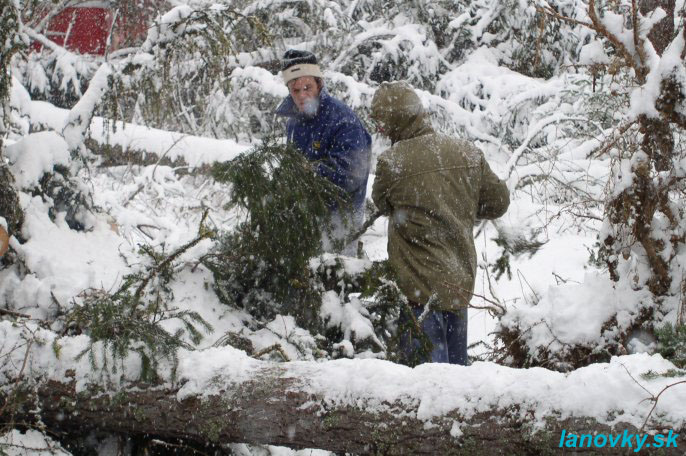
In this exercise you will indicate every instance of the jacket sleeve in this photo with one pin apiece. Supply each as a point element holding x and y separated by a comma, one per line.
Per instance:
<point>347,163</point>
<point>382,186</point>
<point>494,197</point>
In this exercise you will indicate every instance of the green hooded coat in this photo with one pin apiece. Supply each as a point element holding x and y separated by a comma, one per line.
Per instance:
<point>433,187</point>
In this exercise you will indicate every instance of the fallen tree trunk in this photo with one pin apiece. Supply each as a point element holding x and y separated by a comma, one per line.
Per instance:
<point>116,155</point>
<point>220,395</point>
<point>276,409</point>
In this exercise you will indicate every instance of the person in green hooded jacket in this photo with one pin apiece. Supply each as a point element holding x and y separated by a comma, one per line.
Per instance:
<point>433,187</point>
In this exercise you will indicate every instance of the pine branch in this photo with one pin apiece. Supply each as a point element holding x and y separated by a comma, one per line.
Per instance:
<point>203,233</point>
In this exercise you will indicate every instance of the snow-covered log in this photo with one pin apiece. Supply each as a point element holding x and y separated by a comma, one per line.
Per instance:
<point>272,409</point>
<point>362,406</point>
<point>275,408</point>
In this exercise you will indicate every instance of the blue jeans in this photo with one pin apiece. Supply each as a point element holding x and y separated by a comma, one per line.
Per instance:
<point>447,331</point>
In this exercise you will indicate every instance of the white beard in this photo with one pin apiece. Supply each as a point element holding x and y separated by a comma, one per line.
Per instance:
<point>310,107</point>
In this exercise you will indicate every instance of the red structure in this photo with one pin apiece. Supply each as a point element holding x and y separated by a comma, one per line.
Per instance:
<point>97,27</point>
<point>82,29</point>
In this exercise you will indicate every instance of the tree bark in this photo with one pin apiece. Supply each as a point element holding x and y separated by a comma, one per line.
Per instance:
<point>10,209</point>
<point>663,32</point>
<point>275,409</point>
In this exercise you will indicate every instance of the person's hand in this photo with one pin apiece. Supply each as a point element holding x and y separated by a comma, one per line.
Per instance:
<point>4,241</point>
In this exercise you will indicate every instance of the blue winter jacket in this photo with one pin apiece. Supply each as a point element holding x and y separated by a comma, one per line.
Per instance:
<point>337,139</point>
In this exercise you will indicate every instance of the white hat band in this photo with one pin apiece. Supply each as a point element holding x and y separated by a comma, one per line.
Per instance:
<point>303,69</point>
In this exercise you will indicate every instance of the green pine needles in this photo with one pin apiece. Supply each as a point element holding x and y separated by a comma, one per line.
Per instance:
<point>109,321</point>
<point>287,201</point>
<point>672,343</point>
<point>130,319</point>
<point>263,265</point>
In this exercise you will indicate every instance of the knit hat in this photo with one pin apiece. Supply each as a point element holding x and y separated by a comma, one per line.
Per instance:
<point>395,99</point>
<point>299,63</point>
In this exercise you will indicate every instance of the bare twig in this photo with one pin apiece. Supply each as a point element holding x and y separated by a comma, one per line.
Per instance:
<point>496,307</point>
<point>521,276</point>
<point>550,12</point>
<point>616,137</point>
<point>480,228</point>
<point>55,301</point>
<point>491,288</point>
<point>636,381</point>
<point>13,314</point>
<point>654,400</point>
<point>140,227</point>
<point>133,195</point>
<point>559,278</point>
<point>165,153</point>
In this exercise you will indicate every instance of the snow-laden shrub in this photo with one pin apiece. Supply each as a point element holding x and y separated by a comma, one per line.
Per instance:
<point>242,111</point>
<point>56,75</point>
<point>524,37</point>
<point>320,22</point>
<point>40,163</point>
<point>672,343</point>
<point>574,325</point>
<point>389,52</point>
<point>174,79</point>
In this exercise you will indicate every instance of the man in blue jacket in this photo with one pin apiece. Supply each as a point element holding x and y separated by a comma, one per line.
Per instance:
<point>329,132</point>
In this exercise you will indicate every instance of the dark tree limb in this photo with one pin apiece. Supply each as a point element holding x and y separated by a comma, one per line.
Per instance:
<point>276,408</point>
<point>662,32</point>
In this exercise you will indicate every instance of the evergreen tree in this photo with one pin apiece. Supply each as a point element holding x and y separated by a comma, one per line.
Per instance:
<point>265,263</point>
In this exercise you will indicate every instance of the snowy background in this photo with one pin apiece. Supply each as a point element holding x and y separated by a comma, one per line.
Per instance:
<point>540,118</point>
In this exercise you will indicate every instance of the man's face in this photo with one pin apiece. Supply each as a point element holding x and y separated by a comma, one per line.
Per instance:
<point>305,94</point>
